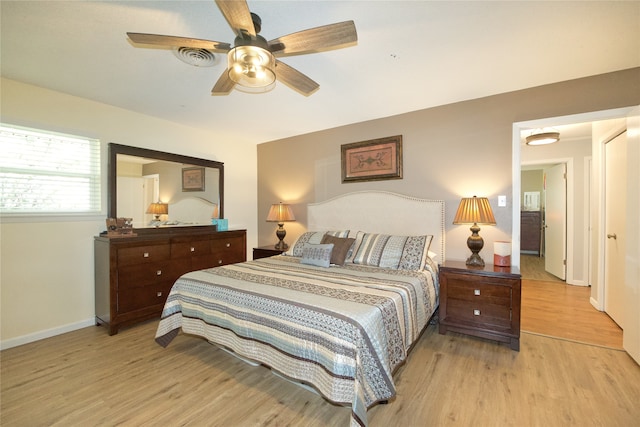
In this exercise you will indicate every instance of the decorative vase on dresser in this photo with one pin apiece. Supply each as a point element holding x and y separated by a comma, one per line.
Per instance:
<point>133,275</point>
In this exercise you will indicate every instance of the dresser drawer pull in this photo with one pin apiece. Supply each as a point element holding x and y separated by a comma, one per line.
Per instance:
<point>159,294</point>
<point>159,273</point>
<point>220,261</point>
<point>228,245</point>
<point>145,255</point>
<point>476,312</point>
<point>476,292</point>
<point>193,249</point>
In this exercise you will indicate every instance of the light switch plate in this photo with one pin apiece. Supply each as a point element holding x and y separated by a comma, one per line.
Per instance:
<point>502,201</point>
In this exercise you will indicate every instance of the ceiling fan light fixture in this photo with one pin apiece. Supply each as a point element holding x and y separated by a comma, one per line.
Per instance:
<point>252,68</point>
<point>543,138</point>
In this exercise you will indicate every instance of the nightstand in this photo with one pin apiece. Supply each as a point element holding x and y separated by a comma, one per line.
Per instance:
<point>481,301</point>
<point>265,252</point>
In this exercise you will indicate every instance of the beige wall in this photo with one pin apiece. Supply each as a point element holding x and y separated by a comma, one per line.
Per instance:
<point>46,266</point>
<point>450,152</point>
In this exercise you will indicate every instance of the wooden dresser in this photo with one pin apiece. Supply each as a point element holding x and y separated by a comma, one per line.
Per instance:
<point>481,301</point>
<point>531,231</point>
<point>133,275</point>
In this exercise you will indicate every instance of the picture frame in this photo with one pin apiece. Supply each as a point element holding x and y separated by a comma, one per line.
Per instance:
<point>193,179</point>
<point>372,160</point>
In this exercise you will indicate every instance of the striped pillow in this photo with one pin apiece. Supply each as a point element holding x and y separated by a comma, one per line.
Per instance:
<point>388,251</point>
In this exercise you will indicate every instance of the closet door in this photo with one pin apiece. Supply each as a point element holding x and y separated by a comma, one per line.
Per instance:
<point>615,212</point>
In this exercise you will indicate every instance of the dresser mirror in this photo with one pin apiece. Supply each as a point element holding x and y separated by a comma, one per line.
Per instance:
<point>159,189</point>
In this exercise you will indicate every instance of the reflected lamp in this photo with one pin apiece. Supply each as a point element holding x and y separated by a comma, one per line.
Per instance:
<point>158,209</point>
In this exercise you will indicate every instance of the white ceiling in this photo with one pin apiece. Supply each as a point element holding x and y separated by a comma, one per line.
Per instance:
<point>410,55</point>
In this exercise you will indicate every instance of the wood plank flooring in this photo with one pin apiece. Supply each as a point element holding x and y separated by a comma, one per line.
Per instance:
<point>553,308</point>
<point>91,379</point>
<point>564,311</point>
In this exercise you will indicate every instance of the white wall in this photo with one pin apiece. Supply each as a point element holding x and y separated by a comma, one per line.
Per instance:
<point>46,266</point>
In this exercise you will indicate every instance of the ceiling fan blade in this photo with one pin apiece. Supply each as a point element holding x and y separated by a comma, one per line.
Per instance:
<point>238,16</point>
<point>327,37</point>
<point>173,41</point>
<point>295,79</point>
<point>224,85</point>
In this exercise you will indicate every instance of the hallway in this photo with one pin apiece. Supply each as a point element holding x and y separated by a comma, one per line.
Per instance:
<point>552,308</point>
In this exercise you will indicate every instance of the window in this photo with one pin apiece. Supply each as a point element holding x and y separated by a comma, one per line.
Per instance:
<point>43,172</point>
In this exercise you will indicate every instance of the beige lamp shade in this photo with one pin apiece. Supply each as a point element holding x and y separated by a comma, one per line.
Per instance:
<point>280,212</point>
<point>158,209</point>
<point>474,210</point>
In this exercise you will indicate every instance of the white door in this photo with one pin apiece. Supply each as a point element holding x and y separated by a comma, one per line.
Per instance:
<point>615,212</point>
<point>555,222</point>
<point>130,204</point>
<point>631,333</point>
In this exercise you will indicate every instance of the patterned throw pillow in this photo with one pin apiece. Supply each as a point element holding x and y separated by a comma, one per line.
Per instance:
<point>319,255</point>
<point>415,252</point>
<point>314,237</point>
<point>388,251</point>
<point>341,248</point>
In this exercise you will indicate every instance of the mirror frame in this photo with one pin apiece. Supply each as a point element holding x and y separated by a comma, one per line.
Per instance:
<point>115,149</point>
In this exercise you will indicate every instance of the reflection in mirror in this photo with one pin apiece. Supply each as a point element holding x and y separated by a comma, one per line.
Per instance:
<point>188,189</point>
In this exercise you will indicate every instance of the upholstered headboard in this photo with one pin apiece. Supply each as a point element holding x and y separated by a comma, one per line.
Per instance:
<point>191,210</point>
<point>381,212</point>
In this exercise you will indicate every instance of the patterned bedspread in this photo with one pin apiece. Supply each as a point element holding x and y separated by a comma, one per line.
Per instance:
<point>343,330</point>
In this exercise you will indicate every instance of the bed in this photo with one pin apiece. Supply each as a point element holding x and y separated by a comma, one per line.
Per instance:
<point>339,311</point>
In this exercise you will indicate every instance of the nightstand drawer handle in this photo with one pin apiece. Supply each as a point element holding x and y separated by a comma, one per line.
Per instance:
<point>228,245</point>
<point>145,255</point>
<point>476,312</point>
<point>476,292</point>
<point>220,261</point>
<point>159,294</point>
<point>159,273</point>
<point>193,249</point>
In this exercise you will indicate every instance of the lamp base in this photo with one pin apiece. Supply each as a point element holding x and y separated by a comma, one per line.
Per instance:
<point>280,233</point>
<point>475,260</point>
<point>475,243</point>
<point>281,246</point>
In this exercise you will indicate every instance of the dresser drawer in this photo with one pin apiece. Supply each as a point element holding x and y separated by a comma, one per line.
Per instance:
<point>189,249</point>
<point>140,298</point>
<point>143,254</point>
<point>228,250</point>
<point>135,276</point>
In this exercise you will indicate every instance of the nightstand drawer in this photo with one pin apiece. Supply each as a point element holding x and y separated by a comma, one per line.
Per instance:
<point>479,314</point>
<point>476,292</point>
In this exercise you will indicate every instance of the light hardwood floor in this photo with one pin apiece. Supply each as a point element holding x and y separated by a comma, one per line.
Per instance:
<point>551,307</point>
<point>87,378</point>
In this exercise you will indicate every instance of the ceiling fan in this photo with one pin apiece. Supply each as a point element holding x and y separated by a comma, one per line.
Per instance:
<point>252,66</point>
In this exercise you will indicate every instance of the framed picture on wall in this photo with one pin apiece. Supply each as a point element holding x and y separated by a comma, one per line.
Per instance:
<point>372,160</point>
<point>193,179</point>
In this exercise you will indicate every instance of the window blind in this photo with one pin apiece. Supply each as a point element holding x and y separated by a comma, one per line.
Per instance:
<point>46,172</point>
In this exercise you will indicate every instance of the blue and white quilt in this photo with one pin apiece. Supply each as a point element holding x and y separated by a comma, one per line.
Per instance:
<point>342,329</point>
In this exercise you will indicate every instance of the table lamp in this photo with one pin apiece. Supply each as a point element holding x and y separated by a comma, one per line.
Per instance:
<point>280,213</point>
<point>475,210</point>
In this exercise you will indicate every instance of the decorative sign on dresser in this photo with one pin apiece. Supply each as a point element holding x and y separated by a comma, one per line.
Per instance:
<point>134,275</point>
<point>481,301</point>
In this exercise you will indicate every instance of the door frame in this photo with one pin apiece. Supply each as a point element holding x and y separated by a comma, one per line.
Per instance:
<point>568,246</point>
<point>597,293</point>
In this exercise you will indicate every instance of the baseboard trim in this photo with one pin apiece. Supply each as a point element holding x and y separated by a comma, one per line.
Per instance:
<point>48,333</point>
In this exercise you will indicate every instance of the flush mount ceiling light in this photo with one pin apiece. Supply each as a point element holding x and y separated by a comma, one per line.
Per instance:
<point>543,138</point>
